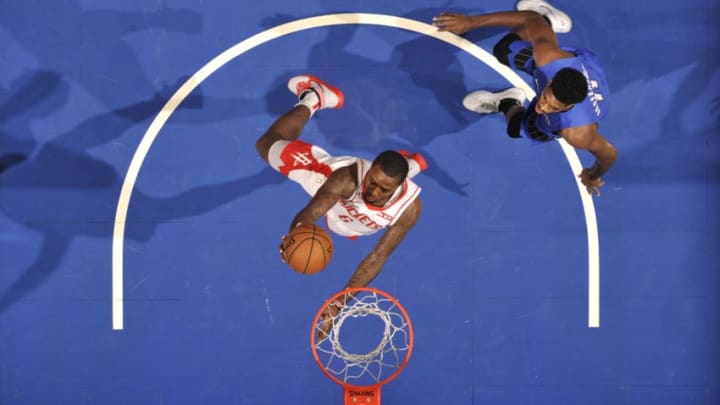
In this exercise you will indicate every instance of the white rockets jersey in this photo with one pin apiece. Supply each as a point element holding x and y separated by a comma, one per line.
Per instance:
<point>310,166</point>
<point>354,217</point>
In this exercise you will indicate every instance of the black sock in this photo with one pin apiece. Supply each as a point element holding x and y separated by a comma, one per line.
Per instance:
<point>506,104</point>
<point>514,115</point>
<point>305,93</point>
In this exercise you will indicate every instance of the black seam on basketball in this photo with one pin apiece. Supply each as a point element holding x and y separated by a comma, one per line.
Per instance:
<point>316,235</point>
<point>297,246</point>
<point>324,252</point>
<point>312,246</point>
<point>301,232</point>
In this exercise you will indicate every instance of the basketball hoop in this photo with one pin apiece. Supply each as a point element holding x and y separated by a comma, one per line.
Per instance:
<point>377,342</point>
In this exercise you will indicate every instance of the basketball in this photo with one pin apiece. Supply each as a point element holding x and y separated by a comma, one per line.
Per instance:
<point>307,249</point>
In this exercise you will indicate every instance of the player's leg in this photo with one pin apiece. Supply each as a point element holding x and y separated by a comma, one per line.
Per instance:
<point>313,94</point>
<point>288,128</point>
<point>416,163</point>
<point>515,50</point>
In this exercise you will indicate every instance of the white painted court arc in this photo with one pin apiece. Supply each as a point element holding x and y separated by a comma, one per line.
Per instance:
<point>317,22</point>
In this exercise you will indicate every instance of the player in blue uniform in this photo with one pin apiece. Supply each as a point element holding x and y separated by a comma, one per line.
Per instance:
<point>572,93</point>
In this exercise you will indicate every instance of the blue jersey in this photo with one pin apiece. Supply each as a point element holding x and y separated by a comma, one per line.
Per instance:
<point>589,111</point>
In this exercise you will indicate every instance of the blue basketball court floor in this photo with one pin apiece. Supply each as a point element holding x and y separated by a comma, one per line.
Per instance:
<point>139,228</point>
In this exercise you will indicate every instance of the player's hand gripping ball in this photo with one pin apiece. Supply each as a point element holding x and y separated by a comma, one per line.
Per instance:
<point>307,249</point>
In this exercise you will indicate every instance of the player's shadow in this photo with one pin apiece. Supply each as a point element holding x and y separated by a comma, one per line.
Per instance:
<point>61,192</point>
<point>715,108</point>
<point>674,154</point>
<point>90,36</point>
<point>669,154</point>
<point>618,36</point>
<point>9,160</point>
<point>393,103</point>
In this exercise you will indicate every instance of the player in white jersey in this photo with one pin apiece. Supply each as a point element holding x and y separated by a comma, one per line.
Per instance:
<point>357,197</point>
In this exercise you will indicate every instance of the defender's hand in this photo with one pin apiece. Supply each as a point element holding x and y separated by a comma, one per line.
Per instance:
<point>592,185</point>
<point>453,22</point>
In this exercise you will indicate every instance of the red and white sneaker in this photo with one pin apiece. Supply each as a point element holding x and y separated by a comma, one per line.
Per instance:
<point>328,96</point>
<point>416,163</point>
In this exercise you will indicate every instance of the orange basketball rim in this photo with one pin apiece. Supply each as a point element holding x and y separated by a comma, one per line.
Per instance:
<point>362,374</point>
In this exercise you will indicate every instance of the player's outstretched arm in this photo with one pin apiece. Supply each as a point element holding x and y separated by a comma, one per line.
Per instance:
<point>340,184</point>
<point>371,265</point>
<point>528,25</point>
<point>586,137</point>
<point>458,23</point>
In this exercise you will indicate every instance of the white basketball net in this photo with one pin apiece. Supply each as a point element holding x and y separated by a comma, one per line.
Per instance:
<point>379,363</point>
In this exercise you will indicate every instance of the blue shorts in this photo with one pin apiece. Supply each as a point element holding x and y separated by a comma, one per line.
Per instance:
<point>514,52</point>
